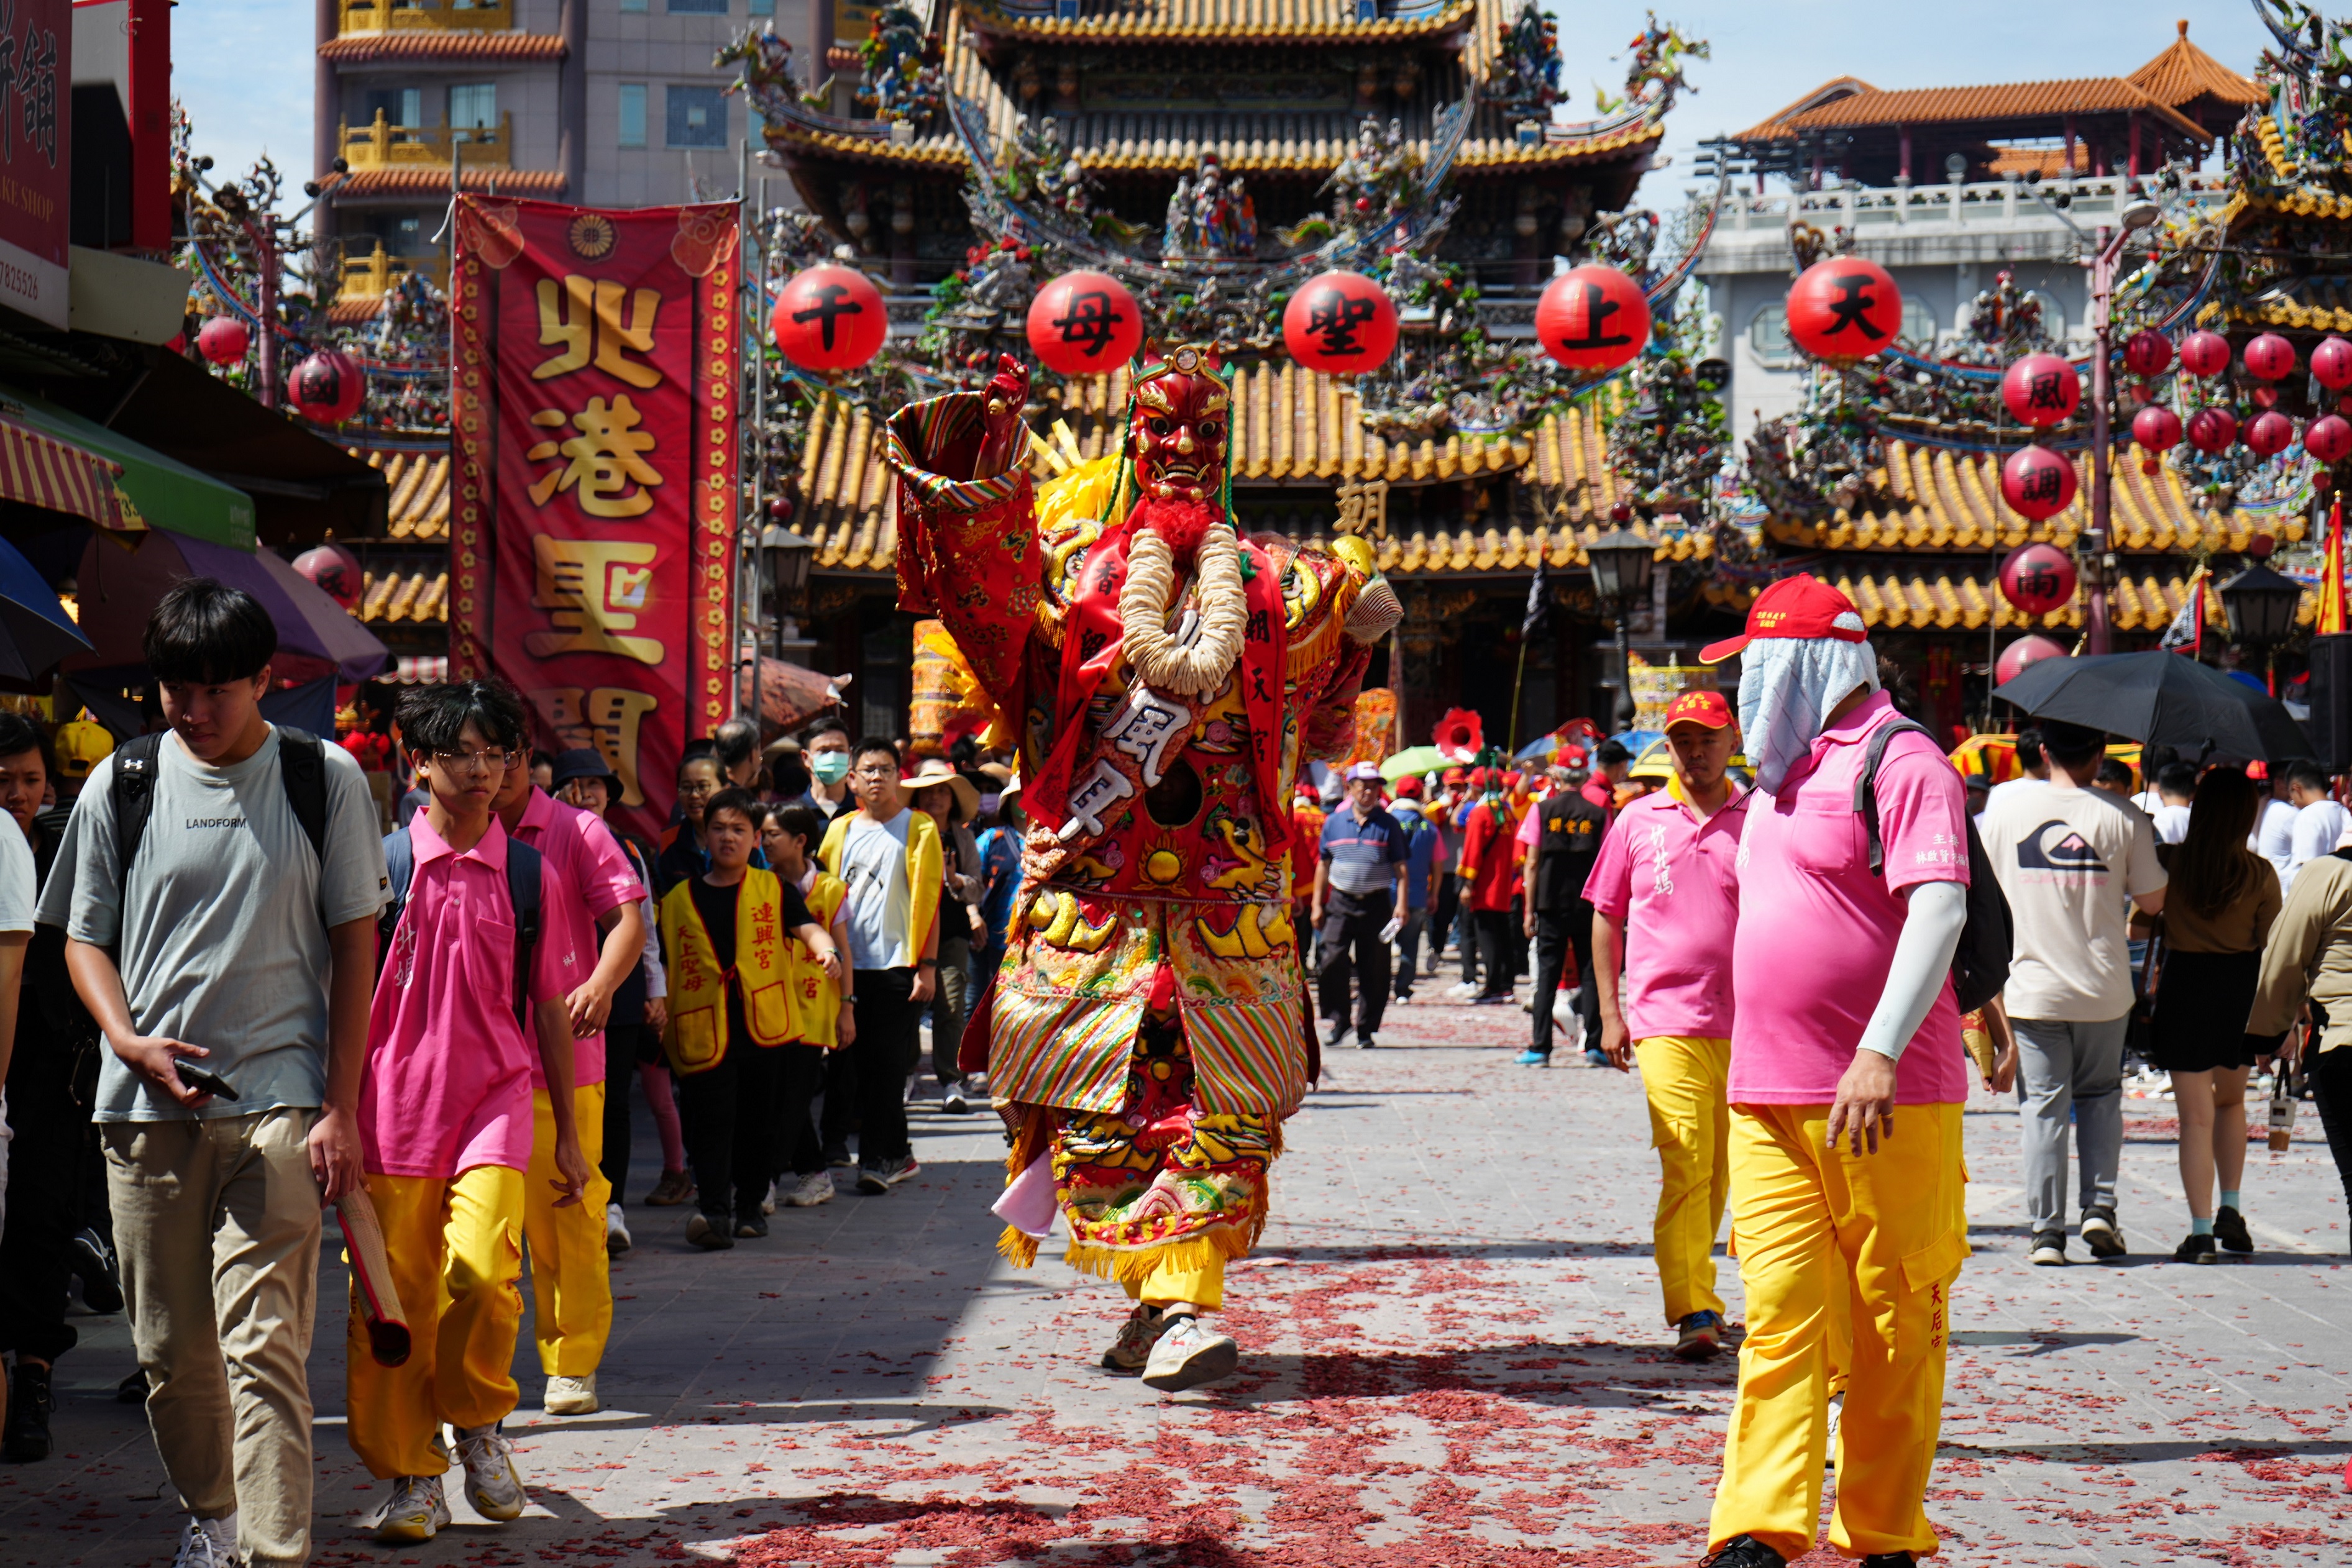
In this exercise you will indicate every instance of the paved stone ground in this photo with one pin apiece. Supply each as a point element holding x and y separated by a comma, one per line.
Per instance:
<point>1454,1357</point>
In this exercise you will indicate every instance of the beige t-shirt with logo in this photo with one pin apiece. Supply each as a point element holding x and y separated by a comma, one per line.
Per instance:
<point>2068,860</point>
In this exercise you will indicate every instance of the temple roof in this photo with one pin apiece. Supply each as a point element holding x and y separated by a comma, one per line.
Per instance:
<point>1929,599</point>
<point>2184,73</point>
<point>2003,103</point>
<point>421,598</point>
<point>418,509</point>
<point>426,47</point>
<point>434,181</point>
<point>1220,21</point>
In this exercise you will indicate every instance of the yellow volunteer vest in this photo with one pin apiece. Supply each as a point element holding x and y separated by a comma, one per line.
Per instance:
<point>815,999</point>
<point>697,1036</point>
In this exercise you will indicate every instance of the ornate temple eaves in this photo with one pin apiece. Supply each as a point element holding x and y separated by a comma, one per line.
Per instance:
<point>1916,600</point>
<point>1222,22</point>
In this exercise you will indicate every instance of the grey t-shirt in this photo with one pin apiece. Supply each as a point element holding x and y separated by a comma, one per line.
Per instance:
<point>223,943</point>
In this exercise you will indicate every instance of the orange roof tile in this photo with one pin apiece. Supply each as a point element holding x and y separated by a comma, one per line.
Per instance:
<point>2184,73</point>
<point>361,48</point>
<point>1775,125</point>
<point>2007,100</point>
<point>1224,22</point>
<point>436,182</point>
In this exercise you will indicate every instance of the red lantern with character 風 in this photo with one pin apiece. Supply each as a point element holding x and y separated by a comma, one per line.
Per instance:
<point>1844,309</point>
<point>830,318</point>
<point>1342,323</point>
<point>2037,483</point>
<point>1593,319</point>
<point>2042,389</point>
<point>1085,324</point>
<point>2037,578</point>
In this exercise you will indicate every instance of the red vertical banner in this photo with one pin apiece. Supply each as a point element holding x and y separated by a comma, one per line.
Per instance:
<point>37,75</point>
<point>597,371</point>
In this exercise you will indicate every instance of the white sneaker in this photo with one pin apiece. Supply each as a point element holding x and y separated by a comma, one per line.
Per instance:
<point>417,1509</point>
<point>493,1485</point>
<point>209,1544</point>
<point>572,1396</point>
<point>768,1204</point>
<point>811,1190</point>
<point>1188,1354</point>
<point>616,1231</point>
<point>953,1098</point>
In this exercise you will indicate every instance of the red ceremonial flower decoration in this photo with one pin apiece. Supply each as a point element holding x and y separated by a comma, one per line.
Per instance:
<point>2042,389</point>
<point>224,340</point>
<point>1341,323</point>
<point>1460,734</point>
<point>2147,354</point>
<point>2328,438</point>
<point>1085,324</point>
<point>1843,310</point>
<point>327,387</point>
<point>2158,430</point>
<point>2212,429</point>
<point>830,318</point>
<point>2205,354</point>
<point>2026,650</point>
<point>2269,433</point>
<point>2037,578</point>
<point>2037,482</point>
<point>2270,356</point>
<point>2331,361</point>
<point>1593,318</point>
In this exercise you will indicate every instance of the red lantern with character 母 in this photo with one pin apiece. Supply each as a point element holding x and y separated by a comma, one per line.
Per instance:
<point>2037,578</point>
<point>2037,483</point>
<point>1342,323</point>
<point>2042,389</point>
<point>1593,318</point>
<point>1085,324</point>
<point>1843,310</point>
<point>830,318</point>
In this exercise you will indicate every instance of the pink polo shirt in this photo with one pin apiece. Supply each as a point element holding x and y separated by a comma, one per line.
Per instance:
<point>1817,931</point>
<point>1673,877</point>
<point>583,848</point>
<point>449,1070</point>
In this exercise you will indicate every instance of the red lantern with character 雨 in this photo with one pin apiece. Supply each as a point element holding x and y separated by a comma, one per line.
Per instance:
<point>1593,319</point>
<point>1342,323</point>
<point>2037,578</point>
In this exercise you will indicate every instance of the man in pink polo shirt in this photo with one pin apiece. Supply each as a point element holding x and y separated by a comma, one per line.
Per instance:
<point>571,1270</point>
<point>1666,890</point>
<point>1843,971</point>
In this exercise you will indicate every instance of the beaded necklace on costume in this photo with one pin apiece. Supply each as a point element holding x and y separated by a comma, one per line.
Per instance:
<point>1197,657</point>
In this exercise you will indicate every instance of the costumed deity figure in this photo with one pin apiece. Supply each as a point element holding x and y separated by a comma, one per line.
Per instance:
<point>1177,240</point>
<point>1149,1030</point>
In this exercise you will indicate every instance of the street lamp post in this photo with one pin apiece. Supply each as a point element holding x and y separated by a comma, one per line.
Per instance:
<point>2262,605</point>
<point>1623,561</point>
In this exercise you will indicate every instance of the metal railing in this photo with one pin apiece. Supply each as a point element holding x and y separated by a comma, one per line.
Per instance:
<point>381,144</point>
<point>2094,200</point>
<point>447,15</point>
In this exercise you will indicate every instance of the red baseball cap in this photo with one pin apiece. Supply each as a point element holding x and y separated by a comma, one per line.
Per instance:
<point>1568,756</point>
<point>1706,708</point>
<point>1409,785</point>
<point>1798,606</point>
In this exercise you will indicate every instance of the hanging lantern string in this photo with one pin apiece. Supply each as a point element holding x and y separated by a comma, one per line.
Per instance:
<point>219,288</point>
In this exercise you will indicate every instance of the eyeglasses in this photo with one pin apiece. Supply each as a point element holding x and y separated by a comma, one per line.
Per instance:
<point>476,761</point>
<point>696,786</point>
<point>879,771</point>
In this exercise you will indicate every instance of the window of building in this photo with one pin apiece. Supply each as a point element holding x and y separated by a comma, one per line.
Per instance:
<point>633,114</point>
<point>398,105</point>
<point>1767,339</point>
<point>697,116</point>
<point>1919,324</point>
<point>633,5</point>
<point>473,106</point>
<point>697,7</point>
<point>763,7</point>
<point>2053,315</point>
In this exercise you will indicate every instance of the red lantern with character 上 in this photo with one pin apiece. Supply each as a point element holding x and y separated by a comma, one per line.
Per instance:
<point>327,387</point>
<point>2037,483</point>
<point>1085,324</point>
<point>2037,578</point>
<point>1342,323</point>
<point>2042,389</point>
<point>1843,310</point>
<point>830,318</point>
<point>1593,318</point>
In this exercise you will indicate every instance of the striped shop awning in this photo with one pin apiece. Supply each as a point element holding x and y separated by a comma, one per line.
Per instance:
<point>40,470</point>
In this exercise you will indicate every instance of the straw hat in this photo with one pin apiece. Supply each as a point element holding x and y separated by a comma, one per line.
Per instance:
<point>937,770</point>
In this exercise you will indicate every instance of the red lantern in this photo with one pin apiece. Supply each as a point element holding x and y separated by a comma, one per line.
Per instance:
<point>2042,389</point>
<point>2037,482</point>
<point>2037,578</point>
<point>2328,438</point>
<point>2147,354</point>
<point>2205,354</point>
<point>1843,310</point>
<point>335,571</point>
<point>327,388</point>
<point>2270,357</point>
<point>2212,429</point>
<point>222,341</point>
<point>830,318</point>
<point>1593,318</point>
<point>1085,324</point>
<point>2157,428</point>
<point>2022,653</point>
<point>2331,362</point>
<point>1339,322</point>
<point>2269,433</point>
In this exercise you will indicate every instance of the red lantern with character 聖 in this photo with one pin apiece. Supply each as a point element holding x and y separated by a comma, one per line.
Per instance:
<point>1342,323</point>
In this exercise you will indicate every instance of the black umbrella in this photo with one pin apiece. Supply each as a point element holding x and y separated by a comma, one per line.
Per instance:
<point>2160,699</point>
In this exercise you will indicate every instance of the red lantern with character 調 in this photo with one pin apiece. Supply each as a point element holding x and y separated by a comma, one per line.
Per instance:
<point>1593,319</point>
<point>1844,309</point>
<point>327,387</point>
<point>2157,429</point>
<point>2205,354</point>
<point>1342,323</point>
<point>2037,578</point>
<point>224,340</point>
<point>830,318</point>
<point>1085,324</point>
<point>2037,483</point>
<point>2042,389</point>
<point>2147,354</point>
<point>2212,429</point>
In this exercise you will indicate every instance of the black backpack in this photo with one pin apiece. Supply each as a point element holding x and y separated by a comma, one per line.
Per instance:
<point>522,892</point>
<point>1981,964</point>
<point>302,766</point>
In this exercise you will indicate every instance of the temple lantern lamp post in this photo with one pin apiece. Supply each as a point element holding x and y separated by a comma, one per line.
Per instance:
<point>2261,606</point>
<point>1622,563</point>
<point>786,557</point>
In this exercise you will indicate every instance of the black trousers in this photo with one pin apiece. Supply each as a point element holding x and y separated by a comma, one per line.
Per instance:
<point>1445,900</point>
<point>728,1116</point>
<point>1493,929</point>
<point>623,1042</point>
<point>889,1034</point>
<point>2331,1091</point>
<point>45,1165</point>
<point>1353,944</point>
<point>1556,937</point>
<point>800,1079</point>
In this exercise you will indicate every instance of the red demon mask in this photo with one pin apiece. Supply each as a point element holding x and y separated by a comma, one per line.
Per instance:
<point>1180,429</point>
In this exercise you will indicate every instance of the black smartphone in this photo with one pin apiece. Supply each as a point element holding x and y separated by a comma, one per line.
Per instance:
<point>195,1077</point>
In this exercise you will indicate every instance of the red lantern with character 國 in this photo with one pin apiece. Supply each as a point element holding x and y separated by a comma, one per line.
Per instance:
<point>1339,322</point>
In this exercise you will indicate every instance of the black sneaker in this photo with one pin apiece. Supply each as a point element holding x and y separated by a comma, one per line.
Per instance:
<point>710,1235</point>
<point>2102,1235</point>
<point>750,1225</point>
<point>876,1180</point>
<point>93,1263</point>
<point>2196,1249</point>
<point>131,1390</point>
<point>2048,1249</point>
<point>1364,1041</point>
<point>1744,1551</point>
<point>1889,1560</point>
<point>2230,1230</point>
<point>1338,1032</point>
<point>29,1404</point>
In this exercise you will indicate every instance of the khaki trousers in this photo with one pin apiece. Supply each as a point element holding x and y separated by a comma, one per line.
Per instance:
<point>217,1223</point>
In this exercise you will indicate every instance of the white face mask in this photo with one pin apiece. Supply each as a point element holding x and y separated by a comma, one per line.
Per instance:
<point>1787,687</point>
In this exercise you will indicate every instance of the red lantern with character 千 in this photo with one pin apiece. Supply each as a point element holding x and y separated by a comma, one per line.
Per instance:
<point>2037,578</point>
<point>1844,309</point>
<point>2042,389</point>
<point>1593,319</point>
<point>830,318</point>
<point>2147,354</point>
<point>2212,429</point>
<point>1085,324</point>
<point>2037,483</point>
<point>1342,323</point>
<point>327,387</point>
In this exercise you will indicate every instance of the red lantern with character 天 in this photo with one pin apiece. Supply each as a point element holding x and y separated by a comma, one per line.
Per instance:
<point>1844,309</point>
<point>1085,324</point>
<point>830,318</point>
<point>1593,319</point>
<point>1342,323</point>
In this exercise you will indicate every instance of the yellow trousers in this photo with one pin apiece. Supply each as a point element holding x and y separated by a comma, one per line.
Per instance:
<point>1684,1077</point>
<point>571,1274</point>
<point>1204,1287</point>
<point>1892,1226</point>
<point>456,1249</point>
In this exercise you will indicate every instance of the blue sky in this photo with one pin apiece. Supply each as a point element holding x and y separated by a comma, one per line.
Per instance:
<point>243,68</point>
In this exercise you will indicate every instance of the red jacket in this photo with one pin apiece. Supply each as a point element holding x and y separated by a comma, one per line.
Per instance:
<point>1489,854</point>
